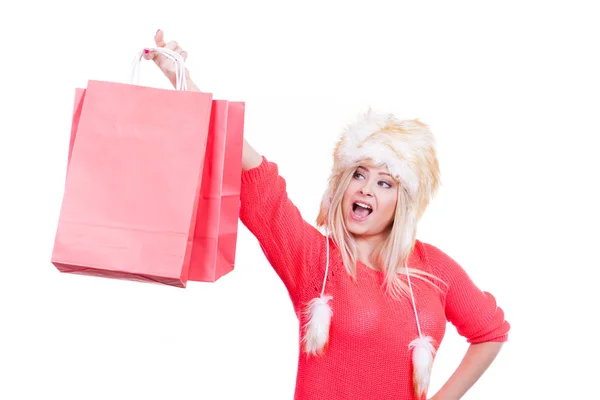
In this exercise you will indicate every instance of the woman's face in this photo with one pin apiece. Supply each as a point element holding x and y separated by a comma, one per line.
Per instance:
<point>369,202</point>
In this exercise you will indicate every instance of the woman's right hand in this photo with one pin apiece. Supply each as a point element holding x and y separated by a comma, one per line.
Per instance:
<point>166,65</point>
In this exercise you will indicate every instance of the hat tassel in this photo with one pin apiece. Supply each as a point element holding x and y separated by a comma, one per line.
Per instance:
<point>317,328</point>
<point>319,313</point>
<point>423,353</point>
<point>422,359</point>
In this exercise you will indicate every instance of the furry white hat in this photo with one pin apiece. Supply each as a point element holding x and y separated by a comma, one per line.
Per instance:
<point>406,147</point>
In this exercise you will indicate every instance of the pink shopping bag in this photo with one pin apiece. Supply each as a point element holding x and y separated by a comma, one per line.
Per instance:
<point>230,195</point>
<point>131,194</point>
<point>216,226</point>
<point>79,93</point>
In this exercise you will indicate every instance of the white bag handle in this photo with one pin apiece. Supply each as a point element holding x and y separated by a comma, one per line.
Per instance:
<point>180,81</point>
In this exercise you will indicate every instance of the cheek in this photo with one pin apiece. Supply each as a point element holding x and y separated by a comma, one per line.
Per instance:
<point>352,187</point>
<point>345,202</point>
<point>389,208</point>
<point>350,190</point>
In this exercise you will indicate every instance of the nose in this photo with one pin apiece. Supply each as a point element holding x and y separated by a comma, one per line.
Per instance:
<point>366,190</point>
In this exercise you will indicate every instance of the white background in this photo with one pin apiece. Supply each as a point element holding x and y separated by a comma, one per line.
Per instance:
<point>511,91</point>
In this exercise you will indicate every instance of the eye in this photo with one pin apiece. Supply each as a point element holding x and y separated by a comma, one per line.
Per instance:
<point>358,175</point>
<point>387,184</point>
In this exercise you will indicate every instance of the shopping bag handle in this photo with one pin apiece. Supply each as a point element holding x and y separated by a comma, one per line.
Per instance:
<point>180,81</point>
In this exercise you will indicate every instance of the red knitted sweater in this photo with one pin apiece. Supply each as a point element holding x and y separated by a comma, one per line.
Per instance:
<point>367,357</point>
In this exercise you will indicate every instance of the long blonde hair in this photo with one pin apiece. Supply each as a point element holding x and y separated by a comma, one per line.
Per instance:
<point>392,254</point>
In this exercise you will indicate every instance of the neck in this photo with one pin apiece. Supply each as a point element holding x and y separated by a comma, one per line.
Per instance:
<point>366,246</point>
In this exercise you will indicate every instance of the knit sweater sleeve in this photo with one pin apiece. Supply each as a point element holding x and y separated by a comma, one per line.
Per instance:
<point>291,245</point>
<point>472,311</point>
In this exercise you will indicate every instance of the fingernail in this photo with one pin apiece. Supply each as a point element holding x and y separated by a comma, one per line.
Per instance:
<point>158,30</point>
<point>146,51</point>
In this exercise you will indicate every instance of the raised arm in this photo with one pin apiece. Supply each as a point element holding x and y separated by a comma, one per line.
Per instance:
<point>250,158</point>
<point>294,248</point>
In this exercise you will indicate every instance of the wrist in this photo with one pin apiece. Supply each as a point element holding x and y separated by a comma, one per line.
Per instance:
<point>191,86</point>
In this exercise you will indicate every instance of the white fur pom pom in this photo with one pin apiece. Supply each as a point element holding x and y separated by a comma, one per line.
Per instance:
<point>422,358</point>
<point>317,327</point>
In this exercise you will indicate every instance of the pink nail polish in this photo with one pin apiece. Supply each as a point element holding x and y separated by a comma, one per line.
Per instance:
<point>146,51</point>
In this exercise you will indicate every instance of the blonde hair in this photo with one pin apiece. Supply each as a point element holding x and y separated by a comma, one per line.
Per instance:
<point>392,254</point>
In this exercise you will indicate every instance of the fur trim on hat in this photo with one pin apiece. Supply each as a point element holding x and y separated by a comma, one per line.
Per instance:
<point>406,147</point>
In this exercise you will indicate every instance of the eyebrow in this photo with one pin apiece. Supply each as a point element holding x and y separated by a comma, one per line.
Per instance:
<point>367,169</point>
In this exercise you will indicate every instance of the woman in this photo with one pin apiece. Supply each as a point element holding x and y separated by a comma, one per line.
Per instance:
<point>372,300</point>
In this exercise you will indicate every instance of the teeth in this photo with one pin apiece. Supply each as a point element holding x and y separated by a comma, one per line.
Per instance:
<point>363,205</point>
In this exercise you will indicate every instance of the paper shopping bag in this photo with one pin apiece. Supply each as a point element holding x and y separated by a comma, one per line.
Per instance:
<point>79,93</point>
<point>230,195</point>
<point>216,226</point>
<point>204,249</point>
<point>132,187</point>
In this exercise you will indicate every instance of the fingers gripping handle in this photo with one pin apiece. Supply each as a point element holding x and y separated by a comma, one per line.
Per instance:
<point>180,81</point>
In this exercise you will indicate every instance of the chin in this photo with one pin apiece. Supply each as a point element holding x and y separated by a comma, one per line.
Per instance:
<point>357,228</point>
<point>357,232</point>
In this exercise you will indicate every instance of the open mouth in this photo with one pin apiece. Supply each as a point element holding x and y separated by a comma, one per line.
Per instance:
<point>361,210</point>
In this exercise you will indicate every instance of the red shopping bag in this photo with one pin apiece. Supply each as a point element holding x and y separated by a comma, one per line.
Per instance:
<point>230,195</point>
<point>133,182</point>
<point>215,235</point>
